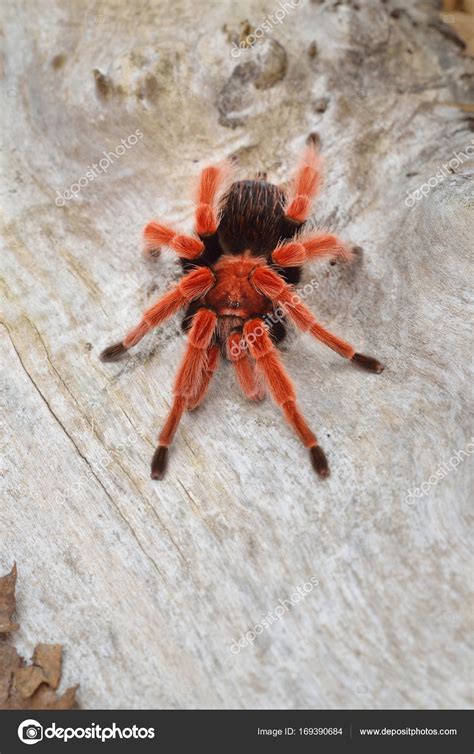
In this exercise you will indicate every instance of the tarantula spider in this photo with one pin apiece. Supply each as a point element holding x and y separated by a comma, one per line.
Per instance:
<point>238,282</point>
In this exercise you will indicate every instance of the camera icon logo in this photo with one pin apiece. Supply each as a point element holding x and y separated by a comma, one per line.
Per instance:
<point>30,731</point>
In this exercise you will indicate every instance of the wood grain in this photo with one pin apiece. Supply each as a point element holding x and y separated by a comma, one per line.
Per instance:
<point>147,585</point>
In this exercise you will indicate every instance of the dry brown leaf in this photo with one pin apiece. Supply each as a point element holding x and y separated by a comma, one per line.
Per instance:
<point>7,602</point>
<point>28,686</point>
<point>48,657</point>
<point>27,680</point>
<point>449,5</point>
<point>43,698</point>
<point>459,15</point>
<point>10,661</point>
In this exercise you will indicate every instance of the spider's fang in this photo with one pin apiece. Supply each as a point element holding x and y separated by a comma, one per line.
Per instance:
<point>319,461</point>
<point>159,462</point>
<point>112,353</point>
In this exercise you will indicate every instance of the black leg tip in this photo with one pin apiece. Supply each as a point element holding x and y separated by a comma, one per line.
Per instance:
<point>319,461</point>
<point>368,362</point>
<point>313,140</point>
<point>159,462</point>
<point>112,353</point>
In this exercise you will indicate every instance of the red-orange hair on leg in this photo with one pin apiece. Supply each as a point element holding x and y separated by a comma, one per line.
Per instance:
<point>272,285</point>
<point>194,363</point>
<point>197,283</point>
<point>211,366</point>
<point>238,354</point>
<point>317,246</point>
<point>193,285</point>
<point>291,254</point>
<point>169,430</point>
<point>187,383</point>
<point>326,246</point>
<point>282,389</point>
<point>159,461</point>
<point>303,317</point>
<point>156,235</point>
<point>213,182</point>
<point>304,185</point>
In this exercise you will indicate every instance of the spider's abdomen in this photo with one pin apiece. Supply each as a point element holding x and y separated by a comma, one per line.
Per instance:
<point>253,218</point>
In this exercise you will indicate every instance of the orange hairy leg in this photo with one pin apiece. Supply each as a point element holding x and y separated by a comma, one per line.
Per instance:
<point>156,235</point>
<point>274,287</point>
<point>211,366</point>
<point>305,184</point>
<point>213,182</point>
<point>193,285</point>
<point>316,246</point>
<point>282,389</point>
<point>187,383</point>
<point>237,352</point>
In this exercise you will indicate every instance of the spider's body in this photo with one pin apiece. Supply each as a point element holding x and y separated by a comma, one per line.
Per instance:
<point>233,297</point>
<point>238,292</point>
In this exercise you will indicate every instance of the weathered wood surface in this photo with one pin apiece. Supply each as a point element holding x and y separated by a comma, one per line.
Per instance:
<point>148,584</point>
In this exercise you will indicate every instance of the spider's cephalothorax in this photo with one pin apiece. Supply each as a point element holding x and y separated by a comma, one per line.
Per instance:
<point>237,292</point>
